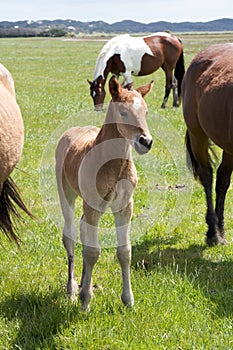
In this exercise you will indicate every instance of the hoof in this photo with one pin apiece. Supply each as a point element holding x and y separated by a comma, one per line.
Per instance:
<point>85,308</point>
<point>85,298</point>
<point>72,289</point>
<point>128,300</point>
<point>217,239</point>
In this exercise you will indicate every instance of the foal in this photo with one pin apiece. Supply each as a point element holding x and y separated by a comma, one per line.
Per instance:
<point>96,164</point>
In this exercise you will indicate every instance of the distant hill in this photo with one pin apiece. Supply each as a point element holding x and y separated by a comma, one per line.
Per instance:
<point>61,27</point>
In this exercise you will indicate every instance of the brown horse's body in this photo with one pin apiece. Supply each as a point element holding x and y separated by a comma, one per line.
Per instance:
<point>11,145</point>
<point>125,55</point>
<point>96,164</point>
<point>208,112</point>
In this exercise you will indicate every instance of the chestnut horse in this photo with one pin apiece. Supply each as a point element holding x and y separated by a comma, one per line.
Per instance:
<point>96,164</point>
<point>125,55</point>
<point>11,144</point>
<point>208,112</point>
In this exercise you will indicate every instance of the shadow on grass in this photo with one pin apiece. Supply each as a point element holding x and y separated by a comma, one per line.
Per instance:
<point>40,318</point>
<point>213,278</point>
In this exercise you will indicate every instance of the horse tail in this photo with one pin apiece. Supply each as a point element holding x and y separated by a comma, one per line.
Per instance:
<point>191,160</point>
<point>179,71</point>
<point>9,214</point>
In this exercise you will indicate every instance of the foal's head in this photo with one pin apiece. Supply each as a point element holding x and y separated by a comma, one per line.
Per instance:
<point>97,92</point>
<point>129,112</point>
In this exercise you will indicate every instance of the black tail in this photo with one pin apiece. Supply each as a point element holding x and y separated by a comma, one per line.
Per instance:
<point>191,161</point>
<point>9,213</point>
<point>179,72</point>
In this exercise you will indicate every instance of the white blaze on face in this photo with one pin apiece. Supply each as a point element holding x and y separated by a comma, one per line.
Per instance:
<point>137,102</point>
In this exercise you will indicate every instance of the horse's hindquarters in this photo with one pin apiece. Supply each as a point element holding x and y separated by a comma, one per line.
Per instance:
<point>11,134</point>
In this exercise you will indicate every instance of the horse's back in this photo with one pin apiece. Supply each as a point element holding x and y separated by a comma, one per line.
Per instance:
<point>165,44</point>
<point>11,126</point>
<point>207,94</point>
<point>6,80</point>
<point>71,149</point>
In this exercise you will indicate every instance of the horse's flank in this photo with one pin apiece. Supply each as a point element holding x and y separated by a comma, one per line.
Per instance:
<point>213,72</point>
<point>11,126</point>
<point>11,145</point>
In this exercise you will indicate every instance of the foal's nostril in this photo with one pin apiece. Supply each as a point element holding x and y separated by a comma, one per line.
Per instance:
<point>150,144</point>
<point>146,142</point>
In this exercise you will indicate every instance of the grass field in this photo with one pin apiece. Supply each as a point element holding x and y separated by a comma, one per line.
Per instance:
<point>183,290</point>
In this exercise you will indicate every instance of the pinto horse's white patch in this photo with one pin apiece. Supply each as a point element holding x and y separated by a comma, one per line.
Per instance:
<point>131,50</point>
<point>137,103</point>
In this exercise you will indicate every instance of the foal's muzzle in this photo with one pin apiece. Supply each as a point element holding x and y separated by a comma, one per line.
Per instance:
<point>143,144</point>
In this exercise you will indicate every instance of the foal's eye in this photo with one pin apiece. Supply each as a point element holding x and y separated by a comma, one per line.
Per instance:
<point>124,114</point>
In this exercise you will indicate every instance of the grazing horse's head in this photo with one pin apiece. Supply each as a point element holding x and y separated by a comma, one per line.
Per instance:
<point>97,92</point>
<point>129,112</point>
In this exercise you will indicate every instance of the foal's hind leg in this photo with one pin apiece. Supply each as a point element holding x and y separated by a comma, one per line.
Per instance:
<point>90,252</point>
<point>222,184</point>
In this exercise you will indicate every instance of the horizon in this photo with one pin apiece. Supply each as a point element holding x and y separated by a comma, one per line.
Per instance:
<point>122,20</point>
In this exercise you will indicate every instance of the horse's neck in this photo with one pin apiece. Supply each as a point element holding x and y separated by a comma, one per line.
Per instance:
<point>102,67</point>
<point>114,141</point>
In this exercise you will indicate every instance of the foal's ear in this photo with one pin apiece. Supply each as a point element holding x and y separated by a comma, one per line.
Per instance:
<point>114,87</point>
<point>144,89</point>
<point>89,81</point>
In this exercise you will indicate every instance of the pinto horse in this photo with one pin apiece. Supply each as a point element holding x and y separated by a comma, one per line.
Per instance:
<point>208,112</point>
<point>126,55</point>
<point>96,164</point>
<point>11,144</point>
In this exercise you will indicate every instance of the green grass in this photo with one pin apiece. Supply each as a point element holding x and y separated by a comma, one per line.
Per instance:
<point>183,290</point>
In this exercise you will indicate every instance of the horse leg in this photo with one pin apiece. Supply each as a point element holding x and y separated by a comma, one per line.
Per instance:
<point>127,82</point>
<point>90,252</point>
<point>69,238</point>
<point>168,86</point>
<point>203,170</point>
<point>122,222</point>
<point>175,92</point>
<point>222,184</point>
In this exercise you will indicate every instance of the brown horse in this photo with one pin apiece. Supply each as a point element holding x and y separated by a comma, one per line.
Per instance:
<point>96,164</point>
<point>11,144</point>
<point>208,112</point>
<point>125,55</point>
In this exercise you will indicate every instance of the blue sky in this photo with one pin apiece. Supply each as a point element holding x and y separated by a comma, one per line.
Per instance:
<point>112,11</point>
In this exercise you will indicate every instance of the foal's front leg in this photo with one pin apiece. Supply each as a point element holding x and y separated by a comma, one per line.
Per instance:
<point>90,252</point>
<point>122,222</point>
<point>69,233</point>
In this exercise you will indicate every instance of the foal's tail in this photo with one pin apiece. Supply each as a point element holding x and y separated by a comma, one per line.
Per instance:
<point>9,214</point>
<point>191,160</point>
<point>179,71</point>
